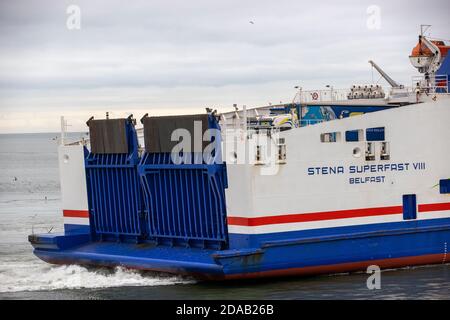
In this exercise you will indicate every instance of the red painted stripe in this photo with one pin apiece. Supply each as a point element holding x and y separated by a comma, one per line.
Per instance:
<point>76,213</point>
<point>305,217</point>
<point>332,215</point>
<point>314,216</point>
<point>434,207</point>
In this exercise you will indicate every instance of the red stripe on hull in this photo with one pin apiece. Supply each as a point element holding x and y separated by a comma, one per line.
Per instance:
<point>331,215</point>
<point>76,213</point>
<point>434,207</point>
<point>315,216</point>
<point>345,267</point>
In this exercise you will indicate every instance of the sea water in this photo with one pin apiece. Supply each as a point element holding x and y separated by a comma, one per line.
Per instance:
<point>30,202</point>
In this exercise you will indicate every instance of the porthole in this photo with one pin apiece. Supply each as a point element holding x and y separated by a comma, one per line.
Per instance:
<point>356,152</point>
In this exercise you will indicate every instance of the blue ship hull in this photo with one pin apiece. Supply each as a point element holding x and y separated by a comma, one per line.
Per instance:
<point>331,250</point>
<point>146,211</point>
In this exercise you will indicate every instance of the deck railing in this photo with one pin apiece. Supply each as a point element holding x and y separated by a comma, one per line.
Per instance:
<point>322,95</point>
<point>432,84</point>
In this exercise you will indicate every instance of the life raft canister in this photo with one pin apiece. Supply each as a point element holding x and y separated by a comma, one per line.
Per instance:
<point>315,96</point>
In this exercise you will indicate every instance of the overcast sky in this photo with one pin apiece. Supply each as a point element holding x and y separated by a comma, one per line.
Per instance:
<point>166,57</point>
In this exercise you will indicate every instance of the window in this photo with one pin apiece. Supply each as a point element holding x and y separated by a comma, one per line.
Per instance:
<point>370,151</point>
<point>384,152</point>
<point>354,135</point>
<point>375,134</point>
<point>330,137</point>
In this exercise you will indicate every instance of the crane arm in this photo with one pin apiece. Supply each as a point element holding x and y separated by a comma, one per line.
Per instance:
<point>436,61</point>
<point>391,81</point>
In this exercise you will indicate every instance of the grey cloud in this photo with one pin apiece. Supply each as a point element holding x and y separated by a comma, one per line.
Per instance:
<point>139,46</point>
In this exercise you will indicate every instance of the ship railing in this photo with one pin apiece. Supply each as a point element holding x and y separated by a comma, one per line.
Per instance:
<point>309,122</point>
<point>327,95</point>
<point>431,84</point>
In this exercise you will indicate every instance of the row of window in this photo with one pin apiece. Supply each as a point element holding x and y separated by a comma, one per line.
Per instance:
<point>372,134</point>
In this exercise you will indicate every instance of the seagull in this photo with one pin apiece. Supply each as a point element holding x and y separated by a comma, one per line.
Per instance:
<point>251,22</point>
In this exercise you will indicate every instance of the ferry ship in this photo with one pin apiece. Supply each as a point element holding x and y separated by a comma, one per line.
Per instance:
<point>336,181</point>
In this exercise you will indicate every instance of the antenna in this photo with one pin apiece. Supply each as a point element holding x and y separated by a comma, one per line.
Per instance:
<point>424,28</point>
<point>32,225</point>
<point>64,126</point>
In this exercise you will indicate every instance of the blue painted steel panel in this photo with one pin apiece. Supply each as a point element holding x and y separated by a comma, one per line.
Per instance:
<point>76,229</point>
<point>409,207</point>
<point>389,241</point>
<point>114,193</point>
<point>444,186</point>
<point>351,135</point>
<point>445,68</point>
<point>312,114</point>
<point>340,251</point>
<point>185,203</point>
<point>57,241</point>
<point>375,134</point>
<point>257,240</point>
<point>159,258</point>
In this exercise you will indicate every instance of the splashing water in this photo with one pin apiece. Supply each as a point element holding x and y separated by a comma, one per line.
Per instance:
<point>30,201</point>
<point>39,276</point>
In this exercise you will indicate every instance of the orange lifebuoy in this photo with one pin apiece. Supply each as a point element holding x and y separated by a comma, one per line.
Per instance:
<point>315,96</point>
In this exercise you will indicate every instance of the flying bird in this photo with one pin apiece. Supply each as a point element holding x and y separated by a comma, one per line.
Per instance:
<point>251,22</point>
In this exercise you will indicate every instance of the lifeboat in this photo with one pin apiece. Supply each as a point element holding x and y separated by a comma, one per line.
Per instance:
<point>421,56</point>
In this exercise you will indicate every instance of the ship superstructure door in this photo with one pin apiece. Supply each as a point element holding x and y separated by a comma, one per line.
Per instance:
<point>183,181</point>
<point>114,193</point>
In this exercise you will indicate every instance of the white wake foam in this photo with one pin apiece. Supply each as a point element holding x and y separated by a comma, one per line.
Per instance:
<point>46,277</point>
